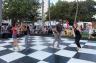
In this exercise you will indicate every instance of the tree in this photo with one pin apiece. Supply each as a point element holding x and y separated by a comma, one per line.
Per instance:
<point>20,9</point>
<point>66,10</point>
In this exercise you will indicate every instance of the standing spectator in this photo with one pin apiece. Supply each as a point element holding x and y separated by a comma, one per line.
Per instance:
<point>26,37</point>
<point>90,31</point>
<point>28,30</point>
<point>14,36</point>
<point>31,28</point>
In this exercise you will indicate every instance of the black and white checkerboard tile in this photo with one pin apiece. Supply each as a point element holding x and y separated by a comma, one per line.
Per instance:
<point>41,51</point>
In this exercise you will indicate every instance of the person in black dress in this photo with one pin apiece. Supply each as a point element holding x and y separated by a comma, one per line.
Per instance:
<point>77,36</point>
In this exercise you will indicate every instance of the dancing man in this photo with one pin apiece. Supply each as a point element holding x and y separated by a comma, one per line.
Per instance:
<point>57,33</point>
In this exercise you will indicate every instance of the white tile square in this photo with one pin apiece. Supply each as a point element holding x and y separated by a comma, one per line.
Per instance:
<point>89,51</point>
<point>0,40</point>
<point>66,53</point>
<point>4,44</point>
<point>2,48</point>
<point>50,42</point>
<point>12,56</point>
<point>39,47</point>
<point>21,44</point>
<point>49,38</point>
<point>16,49</point>
<point>22,41</point>
<point>84,41</point>
<point>8,41</point>
<point>73,60</point>
<point>68,41</point>
<point>42,62</point>
<point>74,45</point>
<point>37,43</point>
<point>65,39</point>
<point>40,55</point>
<point>91,44</point>
<point>62,46</point>
<point>37,40</point>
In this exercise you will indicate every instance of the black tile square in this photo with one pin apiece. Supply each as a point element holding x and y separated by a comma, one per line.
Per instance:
<point>91,41</point>
<point>83,43</point>
<point>89,47</point>
<point>50,50</point>
<point>4,52</point>
<point>85,56</point>
<point>66,44</point>
<point>28,51</point>
<point>2,42</point>
<point>70,48</point>
<point>8,46</point>
<point>2,61</point>
<point>57,59</point>
<point>25,59</point>
<point>29,45</point>
<point>47,44</point>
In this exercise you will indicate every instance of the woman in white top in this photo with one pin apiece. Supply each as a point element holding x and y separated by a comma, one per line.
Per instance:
<point>90,31</point>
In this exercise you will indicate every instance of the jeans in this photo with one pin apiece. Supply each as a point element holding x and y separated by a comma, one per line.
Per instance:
<point>26,42</point>
<point>58,39</point>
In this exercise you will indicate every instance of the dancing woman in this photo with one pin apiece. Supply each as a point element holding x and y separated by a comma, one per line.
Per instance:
<point>77,36</point>
<point>14,36</point>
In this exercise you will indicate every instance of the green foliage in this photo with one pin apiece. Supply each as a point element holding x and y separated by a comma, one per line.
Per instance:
<point>20,9</point>
<point>66,10</point>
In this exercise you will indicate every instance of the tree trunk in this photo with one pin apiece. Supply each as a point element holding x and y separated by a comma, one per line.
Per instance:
<point>14,21</point>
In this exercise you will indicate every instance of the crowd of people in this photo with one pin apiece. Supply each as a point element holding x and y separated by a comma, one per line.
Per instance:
<point>23,28</point>
<point>56,30</point>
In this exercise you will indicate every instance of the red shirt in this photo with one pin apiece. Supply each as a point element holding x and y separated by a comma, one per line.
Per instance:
<point>14,31</point>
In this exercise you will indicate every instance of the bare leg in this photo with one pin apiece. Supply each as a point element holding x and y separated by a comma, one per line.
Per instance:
<point>59,40</point>
<point>54,42</point>
<point>13,44</point>
<point>16,44</point>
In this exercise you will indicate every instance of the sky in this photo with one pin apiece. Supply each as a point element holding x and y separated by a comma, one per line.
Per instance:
<point>54,1</point>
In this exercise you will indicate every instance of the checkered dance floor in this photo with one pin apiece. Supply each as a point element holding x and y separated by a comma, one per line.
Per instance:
<point>41,51</point>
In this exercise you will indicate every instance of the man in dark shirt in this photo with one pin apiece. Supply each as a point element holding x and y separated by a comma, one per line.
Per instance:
<point>59,28</point>
<point>58,34</point>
